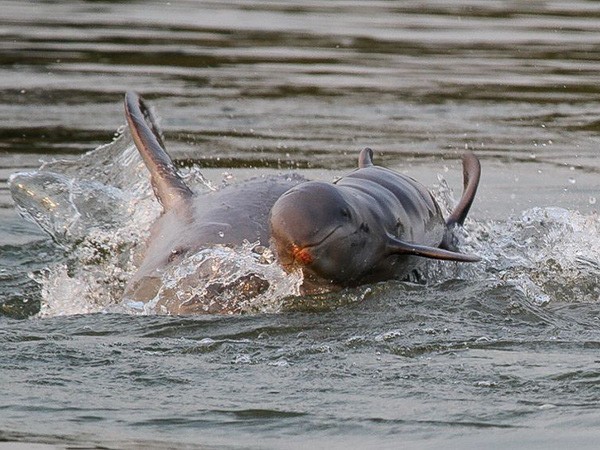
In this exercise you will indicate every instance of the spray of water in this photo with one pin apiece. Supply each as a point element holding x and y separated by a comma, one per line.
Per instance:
<point>99,208</point>
<point>549,254</point>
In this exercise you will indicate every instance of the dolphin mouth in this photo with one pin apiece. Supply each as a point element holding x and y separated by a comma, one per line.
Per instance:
<point>302,254</point>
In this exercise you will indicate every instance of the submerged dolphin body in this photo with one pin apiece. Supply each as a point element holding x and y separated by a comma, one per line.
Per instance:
<point>374,224</point>
<point>191,222</point>
<point>371,225</point>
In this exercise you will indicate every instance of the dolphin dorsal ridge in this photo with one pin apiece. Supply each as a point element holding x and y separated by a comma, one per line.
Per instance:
<point>365,159</point>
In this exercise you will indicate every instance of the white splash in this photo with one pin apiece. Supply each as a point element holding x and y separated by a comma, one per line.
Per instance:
<point>221,280</point>
<point>549,254</point>
<point>99,208</point>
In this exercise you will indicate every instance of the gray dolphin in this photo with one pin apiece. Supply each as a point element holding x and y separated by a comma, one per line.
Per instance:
<point>191,222</point>
<point>371,225</point>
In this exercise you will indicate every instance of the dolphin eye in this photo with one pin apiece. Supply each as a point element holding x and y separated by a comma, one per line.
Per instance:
<point>177,253</point>
<point>364,227</point>
<point>345,212</point>
<point>399,228</point>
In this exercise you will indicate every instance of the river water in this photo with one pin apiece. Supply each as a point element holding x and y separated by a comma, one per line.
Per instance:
<point>504,353</point>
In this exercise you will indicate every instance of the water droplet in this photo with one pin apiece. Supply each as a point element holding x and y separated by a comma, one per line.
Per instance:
<point>592,200</point>
<point>572,180</point>
<point>242,359</point>
<point>221,234</point>
<point>280,363</point>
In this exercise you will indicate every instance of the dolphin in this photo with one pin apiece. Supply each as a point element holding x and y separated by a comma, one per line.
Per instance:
<point>189,221</point>
<point>373,224</point>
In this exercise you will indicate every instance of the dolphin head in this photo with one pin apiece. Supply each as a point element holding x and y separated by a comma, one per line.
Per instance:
<point>315,227</point>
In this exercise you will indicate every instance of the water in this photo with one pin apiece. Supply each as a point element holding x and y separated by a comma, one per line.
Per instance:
<point>501,354</point>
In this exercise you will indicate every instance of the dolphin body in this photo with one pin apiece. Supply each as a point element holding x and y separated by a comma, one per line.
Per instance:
<point>191,222</point>
<point>373,224</point>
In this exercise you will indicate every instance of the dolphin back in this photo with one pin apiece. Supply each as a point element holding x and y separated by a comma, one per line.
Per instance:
<point>424,231</point>
<point>169,188</point>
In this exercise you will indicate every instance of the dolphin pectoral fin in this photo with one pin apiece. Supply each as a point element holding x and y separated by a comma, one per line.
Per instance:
<point>131,98</point>
<point>365,159</point>
<point>166,182</point>
<point>471,175</point>
<point>396,246</point>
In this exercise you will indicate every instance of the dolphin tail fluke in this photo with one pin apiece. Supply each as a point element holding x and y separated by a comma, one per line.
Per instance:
<point>471,175</point>
<point>168,186</point>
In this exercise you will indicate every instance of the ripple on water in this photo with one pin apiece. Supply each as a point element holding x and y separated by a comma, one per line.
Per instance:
<point>504,351</point>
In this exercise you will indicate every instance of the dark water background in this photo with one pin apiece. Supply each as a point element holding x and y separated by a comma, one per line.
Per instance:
<point>506,355</point>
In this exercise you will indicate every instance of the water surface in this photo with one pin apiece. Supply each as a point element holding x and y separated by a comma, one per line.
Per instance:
<point>501,354</point>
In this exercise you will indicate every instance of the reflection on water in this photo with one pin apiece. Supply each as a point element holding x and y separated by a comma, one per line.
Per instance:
<point>280,84</point>
<point>254,83</point>
<point>305,85</point>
